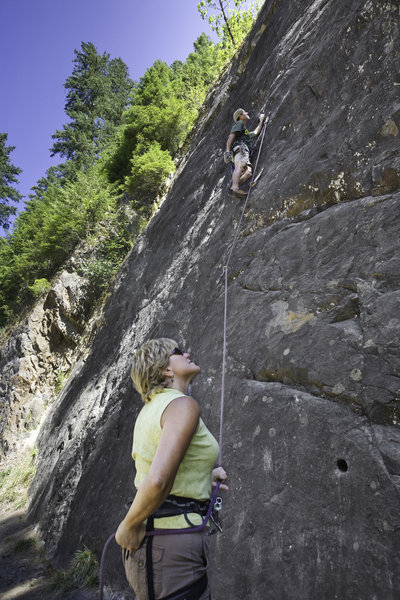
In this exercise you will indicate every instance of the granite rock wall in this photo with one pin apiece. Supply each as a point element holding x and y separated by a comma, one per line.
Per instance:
<point>311,432</point>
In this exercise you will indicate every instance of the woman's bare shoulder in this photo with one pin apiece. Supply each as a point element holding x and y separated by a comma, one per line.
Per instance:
<point>182,407</point>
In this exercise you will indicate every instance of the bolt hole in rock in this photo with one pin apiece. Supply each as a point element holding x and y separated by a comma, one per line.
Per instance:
<point>342,465</point>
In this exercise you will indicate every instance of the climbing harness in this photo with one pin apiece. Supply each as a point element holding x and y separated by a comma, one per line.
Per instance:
<point>240,147</point>
<point>172,506</point>
<point>175,505</point>
<point>244,149</point>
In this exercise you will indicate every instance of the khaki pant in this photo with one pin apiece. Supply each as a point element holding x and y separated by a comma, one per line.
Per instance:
<point>178,561</point>
<point>241,155</point>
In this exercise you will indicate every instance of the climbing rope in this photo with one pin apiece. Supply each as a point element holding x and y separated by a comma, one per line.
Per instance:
<point>214,496</point>
<point>237,231</point>
<point>222,403</point>
<point>225,276</point>
<point>102,564</point>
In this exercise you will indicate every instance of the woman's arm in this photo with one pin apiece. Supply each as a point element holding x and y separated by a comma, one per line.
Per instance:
<point>179,423</point>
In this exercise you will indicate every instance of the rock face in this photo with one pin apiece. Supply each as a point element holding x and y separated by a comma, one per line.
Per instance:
<point>311,435</point>
<point>39,354</point>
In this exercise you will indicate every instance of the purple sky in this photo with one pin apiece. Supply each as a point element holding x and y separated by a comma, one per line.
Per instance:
<point>37,45</point>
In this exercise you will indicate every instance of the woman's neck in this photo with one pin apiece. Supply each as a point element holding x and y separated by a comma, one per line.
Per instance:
<point>180,385</point>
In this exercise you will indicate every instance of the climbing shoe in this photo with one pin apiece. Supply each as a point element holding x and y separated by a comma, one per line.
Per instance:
<point>237,194</point>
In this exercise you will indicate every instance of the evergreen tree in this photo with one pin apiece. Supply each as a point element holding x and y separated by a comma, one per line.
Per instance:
<point>203,64</point>
<point>55,176</point>
<point>155,86</point>
<point>97,94</point>
<point>8,176</point>
<point>165,105</point>
<point>46,233</point>
<point>148,176</point>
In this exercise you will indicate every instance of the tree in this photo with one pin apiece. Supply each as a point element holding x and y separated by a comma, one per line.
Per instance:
<point>165,105</point>
<point>56,219</point>
<point>155,85</point>
<point>97,94</point>
<point>230,19</point>
<point>148,177</point>
<point>55,176</point>
<point>8,176</point>
<point>218,19</point>
<point>202,65</point>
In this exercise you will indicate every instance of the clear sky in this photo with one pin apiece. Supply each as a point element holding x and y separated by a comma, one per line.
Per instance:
<point>37,43</point>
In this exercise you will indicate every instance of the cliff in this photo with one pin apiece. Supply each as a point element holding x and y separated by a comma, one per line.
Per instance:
<point>311,436</point>
<point>41,351</point>
<point>38,355</point>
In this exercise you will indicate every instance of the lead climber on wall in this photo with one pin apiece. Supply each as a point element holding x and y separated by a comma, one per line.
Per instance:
<point>238,150</point>
<point>174,456</point>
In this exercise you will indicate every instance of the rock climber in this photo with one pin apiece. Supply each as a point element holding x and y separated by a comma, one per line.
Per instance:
<point>238,148</point>
<point>175,456</point>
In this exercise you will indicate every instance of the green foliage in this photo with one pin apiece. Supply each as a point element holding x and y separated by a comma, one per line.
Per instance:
<point>99,272</point>
<point>85,567</point>
<point>165,104</point>
<point>157,115</point>
<point>230,20</point>
<point>60,380</point>
<point>149,173</point>
<point>109,152</point>
<point>56,176</point>
<point>201,68</point>
<point>47,232</point>
<point>155,85</point>
<point>83,572</point>
<point>25,544</point>
<point>109,242</point>
<point>15,480</point>
<point>145,125</point>
<point>97,94</point>
<point>39,287</point>
<point>8,176</point>
<point>50,227</point>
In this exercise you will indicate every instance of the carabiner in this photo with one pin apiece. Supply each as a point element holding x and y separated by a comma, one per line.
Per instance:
<point>218,503</point>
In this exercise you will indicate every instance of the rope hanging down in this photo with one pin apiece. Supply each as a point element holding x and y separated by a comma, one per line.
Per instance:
<point>225,276</point>
<point>262,135</point>
<point>221,420</point>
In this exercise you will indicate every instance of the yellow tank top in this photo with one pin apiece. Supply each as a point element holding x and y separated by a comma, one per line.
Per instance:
<point>193,479</point>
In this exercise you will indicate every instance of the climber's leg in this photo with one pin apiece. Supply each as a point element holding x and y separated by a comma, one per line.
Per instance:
<point>246,174</point>
<point>240,168</point>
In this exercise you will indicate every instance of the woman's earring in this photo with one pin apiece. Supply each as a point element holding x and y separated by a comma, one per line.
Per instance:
<point>172,379</point>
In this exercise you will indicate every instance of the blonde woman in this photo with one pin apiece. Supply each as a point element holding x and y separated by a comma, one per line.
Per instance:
<point>174,456</point>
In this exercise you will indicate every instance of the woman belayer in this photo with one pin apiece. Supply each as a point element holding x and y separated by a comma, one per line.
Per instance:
<point>174,456</point>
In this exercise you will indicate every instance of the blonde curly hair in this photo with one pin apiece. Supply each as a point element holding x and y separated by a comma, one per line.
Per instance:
<point>148,364</point>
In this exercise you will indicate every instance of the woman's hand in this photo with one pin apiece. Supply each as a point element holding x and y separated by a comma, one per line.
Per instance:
<point>130,538</point>
<point>219,474</point>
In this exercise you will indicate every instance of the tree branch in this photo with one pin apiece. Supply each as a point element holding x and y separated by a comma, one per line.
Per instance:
<point>226,22</point>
